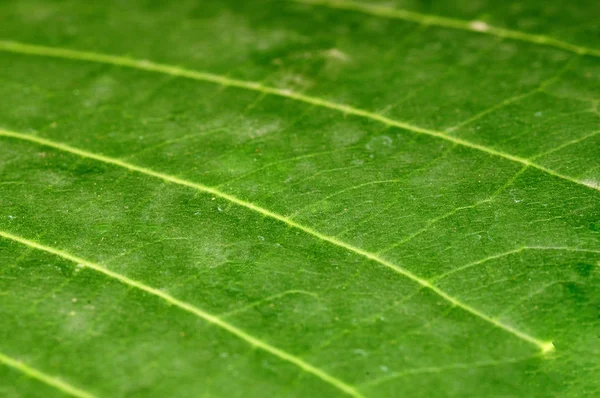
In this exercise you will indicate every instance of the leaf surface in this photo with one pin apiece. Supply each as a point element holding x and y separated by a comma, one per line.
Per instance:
<point>299,198</point>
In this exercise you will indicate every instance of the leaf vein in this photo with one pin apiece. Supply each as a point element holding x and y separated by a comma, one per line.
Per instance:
<point>256,342</point>
<point>52,381</point>
<point>544,346</point>
<point>456,366</point>
<point>453,23</point>
<point>514,251</point>
<point>63,53</point>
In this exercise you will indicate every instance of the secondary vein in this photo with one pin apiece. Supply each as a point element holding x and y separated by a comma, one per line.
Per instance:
<point>456,366</point>
<point>510,252</point>
<point>453,23</point>
<point>64,53</point>
<point>189,308</point>
<point>542,345</point>
<point>45,378</point>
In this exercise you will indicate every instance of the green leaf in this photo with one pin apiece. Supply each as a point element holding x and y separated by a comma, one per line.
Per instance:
<point>299,198</point>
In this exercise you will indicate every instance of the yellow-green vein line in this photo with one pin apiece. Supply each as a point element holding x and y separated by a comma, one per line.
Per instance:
<point>191,309</point>
<point>452,23</point>
<point>510,252</point>
<point>456,366</point>
<point>43,377</point>
<point>543,345</point>
<point>22,48</point>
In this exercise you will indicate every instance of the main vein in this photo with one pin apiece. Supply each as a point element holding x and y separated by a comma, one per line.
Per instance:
<point>544,346</point>
<point>189,308</point>
<point>43,377</point>
<point>22,48</point>
<point>453,23</point>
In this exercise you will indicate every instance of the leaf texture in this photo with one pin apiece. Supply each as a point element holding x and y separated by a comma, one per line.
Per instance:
<point>299,198</point>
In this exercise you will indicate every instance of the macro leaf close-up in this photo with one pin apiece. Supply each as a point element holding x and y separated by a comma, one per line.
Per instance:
<point>299,198</point>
